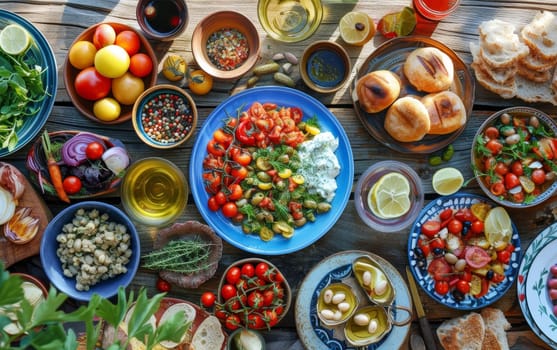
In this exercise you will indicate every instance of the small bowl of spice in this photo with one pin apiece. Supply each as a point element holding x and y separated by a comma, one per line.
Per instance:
<point>164,116</point>
<point>225,44</point>
<point>325,66</point>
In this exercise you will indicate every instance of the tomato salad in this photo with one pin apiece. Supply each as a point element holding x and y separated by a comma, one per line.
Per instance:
<point>454,250</point>
<point>515,157</point>
<point>251,171</point>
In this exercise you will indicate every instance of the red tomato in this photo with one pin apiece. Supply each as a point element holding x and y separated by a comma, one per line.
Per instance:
<point>538,176</point>
<point>239,173</point>
<point>439,268</point>
<point>255,300</point>
<point>466,276</point>
<point>501,168</point>
<point>497,277</point>
<point>477,227</point>
<point>255,321</point>
<point>141,65</point>
<point>91,85</point>
<point>497,189</point>
<point>242,158</point>
<point>489,163</point>
<point>476,257</point>
<point>221,199</point>
<point>236,192</point>
<point>229,209</point>
<point>494,146</point>
<point>446,214</point>
<point>228,291</point>
<point>268,297</point>
<point>463,286</point>
<point>248,270</point>
<point>224,138</point>
<point>129,41</point>
<point>72,184</point>
<point>504,256</point>
<point>212,204</point>
<point>94,150</point>
<point>215,148</point>
<point>163,286</point>
<point>455,226</point>
<point>232,322</point>
<point>464,214</point>
<point>208,299</point>
<point>437,243</point>
<point>233,275</point>
<point>511,181</point>
<point>262,270</point>
<point>442,287</point>
<point>517,168</point>
<point>271,317</point>
<point>491,132</point>
<point>424,246</point>
<point>518,197</point>
<point>430,228</point>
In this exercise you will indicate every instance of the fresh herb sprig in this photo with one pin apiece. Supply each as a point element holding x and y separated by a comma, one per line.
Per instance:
<point>181,256</point>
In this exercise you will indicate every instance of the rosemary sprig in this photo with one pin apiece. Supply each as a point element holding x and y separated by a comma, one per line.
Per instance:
<point>181,256</point>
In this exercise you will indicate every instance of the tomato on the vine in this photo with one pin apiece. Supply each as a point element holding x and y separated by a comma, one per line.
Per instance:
<point>208,299</point>
<point>72,184</point>
<point>232,322</point>
<point>213,204</point>
<point>262,270</point>
<point>228,291</point>
<point>255,321</point>
<point>255,299</point>
<point>94,150</point>
<point>236,192</point>
<point>248,270</point>
<point>233,275</point>
<point>229,209</point>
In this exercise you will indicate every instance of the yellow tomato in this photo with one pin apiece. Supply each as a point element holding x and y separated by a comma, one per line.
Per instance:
<point>106,109</point>
<point>200,83</point>
<point>82,54</point>
<point>174,67</point>
<point>127,88</point>
<point>112,61</point>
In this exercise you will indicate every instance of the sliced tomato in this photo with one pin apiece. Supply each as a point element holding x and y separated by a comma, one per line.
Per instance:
<point>430,228</point>
<point>439,269</point>
<point>476,257</point>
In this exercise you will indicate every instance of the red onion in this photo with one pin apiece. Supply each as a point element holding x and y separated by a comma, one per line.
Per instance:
<point>73,150</point>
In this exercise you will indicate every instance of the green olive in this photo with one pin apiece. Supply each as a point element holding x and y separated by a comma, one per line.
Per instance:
<point>310,204</point>
<point>266,233</point>
<point>281,227</point>
<point>323,207</point>
<point>257,198</point>
<point>262,163</point>
<point>263,176</point>
<point>300,222</point>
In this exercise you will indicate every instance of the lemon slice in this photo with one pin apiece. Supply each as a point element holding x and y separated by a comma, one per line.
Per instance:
<point>389,197</point>
<point>498,227</point>
<point>356,28</point>
<point>475,285</point>
<point>447,181</point>
<point>14,39</point>
<point>480,210</point>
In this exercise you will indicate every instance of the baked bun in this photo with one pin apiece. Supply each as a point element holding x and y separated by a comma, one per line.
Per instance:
<point>407,120</point>
<point>377,90</point>
<point>429,69</point>
<point>446,112</point>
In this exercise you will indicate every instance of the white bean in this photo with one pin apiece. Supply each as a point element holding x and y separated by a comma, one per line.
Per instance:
<point>344,306</point>
<point>338,298</point>
<point>361,319</point>
<point>366,278</point>
<point>337,316</point>
<point>328,296</point>
<point>327,314</point>
<point>380,287</point>
<point>372,327</point>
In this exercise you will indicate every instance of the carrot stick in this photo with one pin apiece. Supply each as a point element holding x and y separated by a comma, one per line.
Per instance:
<point>54,169</point>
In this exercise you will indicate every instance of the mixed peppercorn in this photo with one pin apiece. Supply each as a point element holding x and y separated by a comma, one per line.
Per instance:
<point>167,118</point>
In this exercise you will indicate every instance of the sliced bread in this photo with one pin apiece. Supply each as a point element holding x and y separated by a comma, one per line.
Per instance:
<point>541,35</point>
<point>500,46</point>
<point>505,90</point>
<point>533,92</point>
<point>498,75</point>
<point>462,333</point>
<point>534,75</point>
<point>537,63</point>
<point>496,327</point>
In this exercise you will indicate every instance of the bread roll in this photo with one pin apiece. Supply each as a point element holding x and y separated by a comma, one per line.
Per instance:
<point>429,69</point>
<point>377,90</point>
<point>466,332</point>
<point>446,112</point>
<point>407,120</point>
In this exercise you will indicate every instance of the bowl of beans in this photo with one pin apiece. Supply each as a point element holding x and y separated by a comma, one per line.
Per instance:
<point>514,157</point>
<point>90,248</point>
<point>225,44</point>
<point>164,116</point>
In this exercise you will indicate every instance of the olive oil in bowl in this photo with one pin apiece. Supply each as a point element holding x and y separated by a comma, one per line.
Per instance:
<point>154,191</point>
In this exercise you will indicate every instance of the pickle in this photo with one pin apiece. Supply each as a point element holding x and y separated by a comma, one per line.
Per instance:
<point>266,68</point>
<point>284,79</point>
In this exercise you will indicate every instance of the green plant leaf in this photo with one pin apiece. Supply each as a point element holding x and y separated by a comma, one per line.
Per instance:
<point>10,287</point>
<point>115,314</point>
<point>138,325</point>
<point>47,311</point>
<point>171,329</point>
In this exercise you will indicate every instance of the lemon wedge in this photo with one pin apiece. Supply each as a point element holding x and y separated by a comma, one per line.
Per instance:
<point>356,28</point>
<point>498,227</point>
<point>389,197</point>
<point>447,181</point>
<point>14,39</point>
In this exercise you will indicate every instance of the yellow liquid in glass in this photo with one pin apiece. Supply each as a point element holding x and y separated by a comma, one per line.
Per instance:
<point>290,20</point>
<point>154,191</point>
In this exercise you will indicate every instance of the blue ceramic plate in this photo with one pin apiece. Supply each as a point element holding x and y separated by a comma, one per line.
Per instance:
<point>338,268</point>
<point>532,285</point>
<point>40,53</point>
<point>308,233</point>
<point>424,279</point>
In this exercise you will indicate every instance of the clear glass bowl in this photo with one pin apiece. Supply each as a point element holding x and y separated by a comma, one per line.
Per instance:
<point>365,184</point>
<point>290,20</point>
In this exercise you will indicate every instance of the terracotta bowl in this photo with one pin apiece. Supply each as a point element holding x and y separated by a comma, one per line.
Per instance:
<point>190,230</point>
<point>70,72</point>
<point>214,23</point>
<point>325,66</point>
<point>182,130</point>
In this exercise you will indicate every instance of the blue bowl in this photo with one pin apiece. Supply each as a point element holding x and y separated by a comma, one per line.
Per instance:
<point>40,53</point>
<point>53,267</point>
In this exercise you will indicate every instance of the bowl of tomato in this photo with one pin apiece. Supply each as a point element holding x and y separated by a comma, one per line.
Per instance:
<point>514,157</point>
<point>463,250</point>
<point>107,67</point>
<point>253,294</point>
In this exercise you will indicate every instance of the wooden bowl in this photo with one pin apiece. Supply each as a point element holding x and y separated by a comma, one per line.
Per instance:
<point>163,35</point>
<point>218,21</point>
<point>325,66</point>
<point>70,73</point>
<point>178,135</point>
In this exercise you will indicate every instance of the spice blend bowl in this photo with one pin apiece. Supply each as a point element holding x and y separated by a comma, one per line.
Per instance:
<point>85,106</point>
<point>110,249</point>
<point>164,116</point>
<point>225,44</point>
<point>325,66</point>
<point>260,288</point>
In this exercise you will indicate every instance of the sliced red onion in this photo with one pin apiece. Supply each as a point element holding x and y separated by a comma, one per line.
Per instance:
<point>73,150</point>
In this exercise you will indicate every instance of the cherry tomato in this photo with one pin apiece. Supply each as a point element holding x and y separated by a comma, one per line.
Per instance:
<point>442,287</point>
<point>262,270</point>
<point>243,158</point>
<point>439,268</point>
<point>476,257</point>
<point>163,286</point>
<point>208,299</point>
<point>501,168</point>
<point>437,243</point>
<point>497,189</point>
<point>504,256</point>
<point>424,246</point>
<point>239,173</point>
<point>518,197</point>
<point>464,215</point>
<point>228,291</point>
<point>268,297</point>
<point>430,228</point>
<point>494,146</point>
<point>455,226</point>
<point>222,137</point>
<point>538,176</point>
<point>141,65</point>
<point>517,168</point>
<point>215,148</point>
<point>466,276</point>
<point>255,321</point>
<point>233,275</point>
<point>236,192</point>
<point>511,181</point>
<point>489,163</point>
<point>212,204</point>
<point>248,270</point>
<point>221,199</point>
<point>477,227</point>
<point>497,277</point>
<point>91,85</point>
<point>271,317</point>
<point>463,286</point>
<point>94,150</point>
<point>446,214</point>
<point>491,132</point>
<point>229,209</point>
<point>255,300</point>
<point>71,184</point>
<point>232,322</point>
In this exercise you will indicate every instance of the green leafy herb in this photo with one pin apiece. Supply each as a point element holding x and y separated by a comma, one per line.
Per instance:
<point>181,256</point>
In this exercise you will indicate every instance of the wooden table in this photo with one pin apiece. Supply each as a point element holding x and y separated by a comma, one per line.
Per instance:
<point>62,21</point>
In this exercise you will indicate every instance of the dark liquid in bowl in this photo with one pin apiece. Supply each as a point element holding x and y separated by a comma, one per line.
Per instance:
<point>163,16</point>
<point>326,68</point>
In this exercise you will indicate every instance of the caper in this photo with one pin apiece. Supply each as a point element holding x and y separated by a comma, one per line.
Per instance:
<point>435,160</point>
<point>448,153</point>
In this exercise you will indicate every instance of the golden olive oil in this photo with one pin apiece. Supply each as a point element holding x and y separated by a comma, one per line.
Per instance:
<point>154,191</point>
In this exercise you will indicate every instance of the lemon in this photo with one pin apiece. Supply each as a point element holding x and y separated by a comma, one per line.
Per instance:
<point>356,28</point>
<point>389,197</point>
<point>14,39</point>
<point>480,210</point>
<point>447,181</point>
<point>475,285</point>
<point>498,227</point>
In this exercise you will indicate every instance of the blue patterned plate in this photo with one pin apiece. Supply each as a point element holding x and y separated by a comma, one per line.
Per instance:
<point>424,279</point>
<point>39,53</point>
<point>337,268</point>
<point>532,285</point>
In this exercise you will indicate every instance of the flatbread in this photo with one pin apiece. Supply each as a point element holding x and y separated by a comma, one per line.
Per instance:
<point>208,335</point>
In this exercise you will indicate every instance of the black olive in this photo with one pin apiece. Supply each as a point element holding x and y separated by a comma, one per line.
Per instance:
<point>458,295</point>
<point>465,230</point>
<point>489,275</point>
<point>418,252</point>
<point>438,251</point>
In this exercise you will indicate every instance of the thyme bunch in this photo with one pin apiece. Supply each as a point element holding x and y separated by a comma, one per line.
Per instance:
<point>181,256</point>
